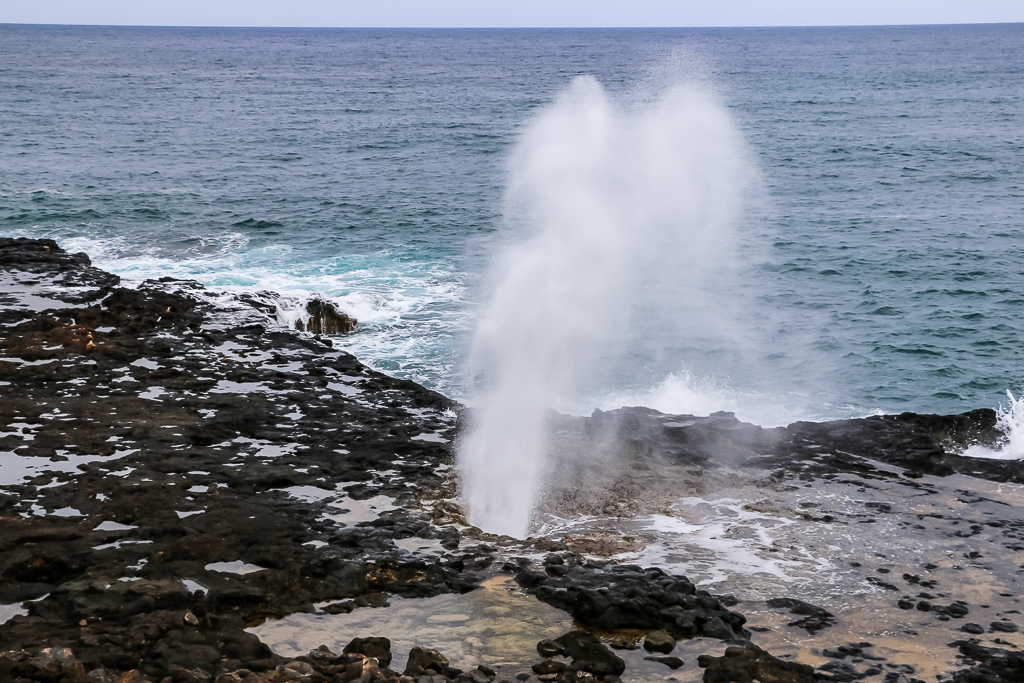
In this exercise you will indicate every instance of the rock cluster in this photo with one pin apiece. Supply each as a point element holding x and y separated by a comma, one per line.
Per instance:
<point>613,597</point>
<point>154,444</point>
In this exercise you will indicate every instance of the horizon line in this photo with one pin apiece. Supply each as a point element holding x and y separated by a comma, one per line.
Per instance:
<point>501,28</point>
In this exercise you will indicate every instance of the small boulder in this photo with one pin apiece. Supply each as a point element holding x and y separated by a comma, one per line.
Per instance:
<point>530,579</point>
<point>482,674</point>
<point>379,648</point>
<point>321,654</point>
<point>423,661</point>
<point>659,641</point>
<point>549,666</point>
<point>549,648</point>
<point>589,654</point>
<point>716,628</point>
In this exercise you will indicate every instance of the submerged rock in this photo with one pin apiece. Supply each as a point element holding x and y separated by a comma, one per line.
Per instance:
<point>814,618</point>
<point>990,664</point>
<point>750,663</point>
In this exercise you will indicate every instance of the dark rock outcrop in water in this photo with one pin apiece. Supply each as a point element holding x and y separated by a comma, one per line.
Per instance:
<point>920,444</point>
<point>325,318</point>
<point>174,471</point>
<point>812,618</point>
<point>45,258</point>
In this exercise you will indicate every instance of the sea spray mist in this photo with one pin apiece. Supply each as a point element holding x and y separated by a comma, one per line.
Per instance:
<point>622,220</point>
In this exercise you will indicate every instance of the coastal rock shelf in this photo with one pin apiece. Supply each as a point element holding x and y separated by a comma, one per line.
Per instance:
<point>181,478</point>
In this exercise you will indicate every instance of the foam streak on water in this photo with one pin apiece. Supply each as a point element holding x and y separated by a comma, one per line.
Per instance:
<point>613,209</point>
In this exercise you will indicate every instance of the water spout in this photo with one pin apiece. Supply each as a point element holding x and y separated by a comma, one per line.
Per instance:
<point>612,208</point>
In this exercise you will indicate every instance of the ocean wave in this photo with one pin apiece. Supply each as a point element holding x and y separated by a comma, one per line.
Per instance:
<point>1010,421</point>
<point>409,310</point>
<point>687,393</point>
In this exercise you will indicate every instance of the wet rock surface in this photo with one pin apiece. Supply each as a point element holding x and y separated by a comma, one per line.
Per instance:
<point>176,468</point>
<point>751,663</point>
<point>877,527</point>
<point>812,618</point>
<point>615,597</point>
<point>325,318</point>
<point>168,478</point>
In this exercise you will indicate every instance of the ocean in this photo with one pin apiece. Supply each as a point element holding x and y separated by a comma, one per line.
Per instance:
<point>876,266</point>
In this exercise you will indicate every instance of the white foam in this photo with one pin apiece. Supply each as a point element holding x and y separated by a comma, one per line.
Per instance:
<point>1010,421</point>
<point>684,393</point>
<point>714,520</point>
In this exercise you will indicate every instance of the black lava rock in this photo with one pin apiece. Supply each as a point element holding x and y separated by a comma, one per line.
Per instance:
<point>380,648</point>
<point>749,663</point>
<point>590,655</point>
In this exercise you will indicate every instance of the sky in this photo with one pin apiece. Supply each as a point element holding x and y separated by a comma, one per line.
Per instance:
<point>509,13</point>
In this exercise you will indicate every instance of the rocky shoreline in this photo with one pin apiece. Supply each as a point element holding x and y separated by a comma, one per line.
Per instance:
<point>176,470</point>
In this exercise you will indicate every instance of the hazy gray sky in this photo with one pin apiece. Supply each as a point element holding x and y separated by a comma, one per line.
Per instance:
<point>505,13</point>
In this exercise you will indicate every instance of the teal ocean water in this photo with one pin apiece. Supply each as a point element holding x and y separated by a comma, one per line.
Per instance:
<point>877,269</point>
